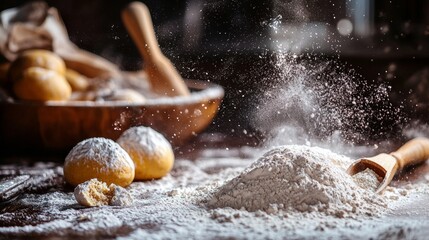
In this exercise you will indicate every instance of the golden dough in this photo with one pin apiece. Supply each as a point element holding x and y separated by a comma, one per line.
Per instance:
<point>92,193</point>
<point>77,81</point>
<point>36,58</point>
<point>99,158</point>
<point>41,84</point>
<point>152,154</point>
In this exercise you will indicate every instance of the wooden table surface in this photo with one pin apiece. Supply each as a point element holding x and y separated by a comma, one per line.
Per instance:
<point>418,211</point>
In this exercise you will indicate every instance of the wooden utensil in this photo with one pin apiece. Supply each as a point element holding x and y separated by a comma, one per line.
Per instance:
<point>164,78</point>
<point>386,165</point>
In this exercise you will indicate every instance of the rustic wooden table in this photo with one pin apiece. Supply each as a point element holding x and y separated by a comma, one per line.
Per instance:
<point>14,214</point>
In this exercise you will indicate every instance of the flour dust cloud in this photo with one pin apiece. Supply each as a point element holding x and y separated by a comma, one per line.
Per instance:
<point>310,99</point>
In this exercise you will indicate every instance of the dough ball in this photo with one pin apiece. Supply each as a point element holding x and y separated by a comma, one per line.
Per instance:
<point>77,81</point>
<point>99,158</point>
<point>96,193</point>
<point>152,154</point>
<point>36,58</point>
<point>41,84</point>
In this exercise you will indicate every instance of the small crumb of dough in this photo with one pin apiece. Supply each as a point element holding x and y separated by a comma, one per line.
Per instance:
<point>95,193</point>
<point>92,193</point>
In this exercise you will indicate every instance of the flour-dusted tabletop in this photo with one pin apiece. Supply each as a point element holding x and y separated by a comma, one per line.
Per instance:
<point>174,207</point>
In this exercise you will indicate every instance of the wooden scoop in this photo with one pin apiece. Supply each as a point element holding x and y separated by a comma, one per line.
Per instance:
<point>386,165</point>
<point>164,78</point>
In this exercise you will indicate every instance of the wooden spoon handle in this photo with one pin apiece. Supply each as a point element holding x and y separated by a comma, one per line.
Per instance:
<point>164,78</point>
<point>413,152</point>
<point>137,20</point>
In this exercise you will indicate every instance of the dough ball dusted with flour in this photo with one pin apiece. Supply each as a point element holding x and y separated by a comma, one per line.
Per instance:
<point>152,154</point>
<point>99,158</point>
<point>96,193</point>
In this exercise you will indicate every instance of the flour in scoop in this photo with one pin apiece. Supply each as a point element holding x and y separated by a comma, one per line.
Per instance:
<point>367,179</point>
<point>298,179</point>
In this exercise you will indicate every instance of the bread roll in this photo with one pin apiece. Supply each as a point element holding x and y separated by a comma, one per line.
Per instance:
<point>42,85</point>
<point>98,158</point>
<point>36,58</point>
<point>152,154</point>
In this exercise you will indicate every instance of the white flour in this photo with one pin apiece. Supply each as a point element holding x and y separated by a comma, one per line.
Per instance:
<point>121,197</point>
<point>299,179</point>
<point>367,179</point>
<point>170,208</point>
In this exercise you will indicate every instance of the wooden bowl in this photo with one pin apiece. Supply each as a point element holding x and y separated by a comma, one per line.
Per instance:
<point>61,125</point>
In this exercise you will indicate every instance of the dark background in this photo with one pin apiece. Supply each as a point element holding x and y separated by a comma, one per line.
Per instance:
<point>231,43</point>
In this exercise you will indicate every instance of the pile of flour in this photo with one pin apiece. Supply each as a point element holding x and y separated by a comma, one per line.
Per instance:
<point>299,179</point>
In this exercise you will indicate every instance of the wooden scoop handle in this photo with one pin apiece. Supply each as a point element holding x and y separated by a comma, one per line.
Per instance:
<point>413,152</point>
<point>137,20</point>
<point>163,76</point>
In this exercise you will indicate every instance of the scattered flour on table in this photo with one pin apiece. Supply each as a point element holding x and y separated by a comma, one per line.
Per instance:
<point>175,207</point>
<point>121,197</point>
